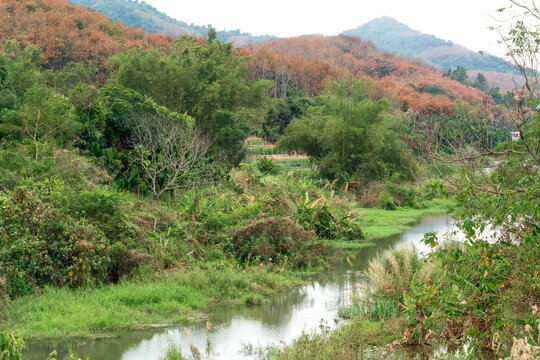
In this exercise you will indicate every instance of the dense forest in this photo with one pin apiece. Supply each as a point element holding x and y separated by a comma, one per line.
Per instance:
<point>145,177</point>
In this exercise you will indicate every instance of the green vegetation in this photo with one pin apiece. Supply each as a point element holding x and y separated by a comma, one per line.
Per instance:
<point>126,198</point>
<point>380,223</point>
<point>351,136</point>
<point>11,346</point>
<point>358,338</point>
<point>482,291</point>
<point>171,297</point>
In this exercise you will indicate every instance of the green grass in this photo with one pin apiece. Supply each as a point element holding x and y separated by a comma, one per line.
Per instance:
<point>173,353</point>
<point>264,150</point>
<point>379,223</point>
<point>349,244</point>
<point>379,310</point>
<point>171,298</point>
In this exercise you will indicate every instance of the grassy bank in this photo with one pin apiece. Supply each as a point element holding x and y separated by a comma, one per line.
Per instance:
<point>379,223</point>
<point>169,298</point>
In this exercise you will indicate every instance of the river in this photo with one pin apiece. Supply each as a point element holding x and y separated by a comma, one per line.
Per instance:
<point>281,319</point>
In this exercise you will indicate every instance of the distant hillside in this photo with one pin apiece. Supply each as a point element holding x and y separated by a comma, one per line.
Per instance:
<point>307,62</point>
<point>68,33</point>
<point>140,14</point>
<point>390,35</point>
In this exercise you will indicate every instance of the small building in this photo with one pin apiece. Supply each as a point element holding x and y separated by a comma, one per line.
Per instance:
<point>516,135</point>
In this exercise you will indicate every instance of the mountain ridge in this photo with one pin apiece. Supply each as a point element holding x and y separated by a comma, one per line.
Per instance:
<point>143,15</point>
<point>389,34</point>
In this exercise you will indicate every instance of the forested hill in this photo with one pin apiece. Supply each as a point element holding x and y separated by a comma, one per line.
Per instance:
<point>390,35</point>
<point>305,62</point>
<point>143,15</point>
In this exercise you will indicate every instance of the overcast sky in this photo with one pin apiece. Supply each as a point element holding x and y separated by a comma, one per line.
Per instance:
<point>465,22</point>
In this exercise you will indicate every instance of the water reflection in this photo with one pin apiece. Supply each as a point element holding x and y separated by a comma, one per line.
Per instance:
<point>282,319</point>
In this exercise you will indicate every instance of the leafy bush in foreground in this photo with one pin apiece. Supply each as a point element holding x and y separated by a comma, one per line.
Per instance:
<point>11,345</point>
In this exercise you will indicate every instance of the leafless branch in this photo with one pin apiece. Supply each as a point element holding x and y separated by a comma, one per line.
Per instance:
<point>171,154</point>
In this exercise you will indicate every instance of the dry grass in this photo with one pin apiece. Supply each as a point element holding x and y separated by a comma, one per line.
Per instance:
<point>368,196</point>
<point>391,275</point>
<point>528,347</point>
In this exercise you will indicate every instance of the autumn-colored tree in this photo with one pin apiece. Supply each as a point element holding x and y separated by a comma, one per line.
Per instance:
<point>67,33</point>
<point>312,60</point>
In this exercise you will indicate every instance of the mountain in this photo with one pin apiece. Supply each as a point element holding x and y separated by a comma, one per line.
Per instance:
<point>141,14</point>
<point>390,35</point>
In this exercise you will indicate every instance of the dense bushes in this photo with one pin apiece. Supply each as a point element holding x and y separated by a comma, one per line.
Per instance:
<point>278,240</point>
<point>396,194</point>
<point>42,246</point>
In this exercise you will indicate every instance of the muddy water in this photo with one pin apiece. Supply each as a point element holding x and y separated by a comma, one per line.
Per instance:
<point>282,319</point>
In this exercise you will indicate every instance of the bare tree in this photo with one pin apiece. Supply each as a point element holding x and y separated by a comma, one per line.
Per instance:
<point>171,154</point>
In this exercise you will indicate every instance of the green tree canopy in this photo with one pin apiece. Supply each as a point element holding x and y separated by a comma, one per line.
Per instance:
<point>197,77</point>
<point>348,133</point>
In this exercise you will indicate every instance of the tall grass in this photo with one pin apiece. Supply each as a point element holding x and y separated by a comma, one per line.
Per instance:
<point>378,310</point>
<point>392,274</point>
<point>173,353</point>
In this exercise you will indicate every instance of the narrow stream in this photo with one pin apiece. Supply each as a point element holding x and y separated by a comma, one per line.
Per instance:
<point>282,319</point>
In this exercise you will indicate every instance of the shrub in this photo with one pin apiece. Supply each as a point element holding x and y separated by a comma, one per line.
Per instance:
<point>386,201</point>
<point>277,205</point>
<point>41,246</point>
<point>316,215</point>
<point>267,166</point>
<point>104,208</point>
<point>398,194</point>
<point>277,240</point>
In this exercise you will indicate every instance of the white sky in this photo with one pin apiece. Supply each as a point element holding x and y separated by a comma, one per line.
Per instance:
<point>465,22</point>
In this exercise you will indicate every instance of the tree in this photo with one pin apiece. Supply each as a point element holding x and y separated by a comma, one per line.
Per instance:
<point>481,82</point>
<point>19,71</point>
<point>349,134</point>
<point>491,282</point>
<point>171,153</point>
<point>197,77</point>
<point>229,138</point>
<point>459,75</point>
<point>43,116</point>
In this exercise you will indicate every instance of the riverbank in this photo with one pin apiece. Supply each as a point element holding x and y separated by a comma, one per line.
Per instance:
<point>177,296</point>
<point>378,223</point>
<point>356,339</point>
<point>147,301</point>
